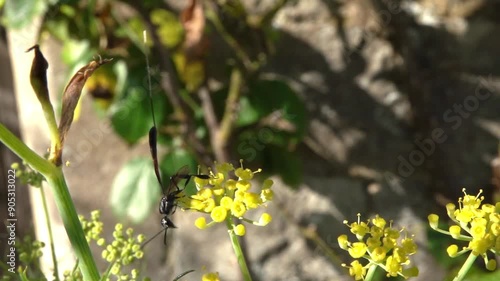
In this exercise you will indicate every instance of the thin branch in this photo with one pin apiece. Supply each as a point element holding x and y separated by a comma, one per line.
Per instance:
<point>226,126</point>
<point>240,53</point>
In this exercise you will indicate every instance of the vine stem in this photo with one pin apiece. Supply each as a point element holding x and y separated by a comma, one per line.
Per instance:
<point>238,251</point>
<point>64,203</point>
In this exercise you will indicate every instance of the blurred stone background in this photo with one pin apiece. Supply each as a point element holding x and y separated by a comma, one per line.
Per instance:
<point>403,104</point>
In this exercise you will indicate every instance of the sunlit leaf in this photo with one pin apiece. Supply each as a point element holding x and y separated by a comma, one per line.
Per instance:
<point>169,30</point>
<point>135,190</point>
<point>19,13</point>
<point>192,73</point>
<point>75,51</point>
<point>247,113</point>
<point>131,115</point>
<point>282,109</point>
<point>286,164</point>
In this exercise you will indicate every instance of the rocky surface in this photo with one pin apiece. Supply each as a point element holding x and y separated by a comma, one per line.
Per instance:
<point>403,100</point>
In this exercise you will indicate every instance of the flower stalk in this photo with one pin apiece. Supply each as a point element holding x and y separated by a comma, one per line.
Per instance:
<point>237,250</point>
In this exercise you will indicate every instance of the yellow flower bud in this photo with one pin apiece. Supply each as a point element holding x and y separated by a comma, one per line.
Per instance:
<point>267,184</point>
<point>491,264</point>
<point>218,214</point>
<point>433,220</point>
<point>452,250</point>
<point>343,242</point>
<point>357,270</point>
<point>230,184</point>
<point>378,254</point>
<point>226,202</point>
<point>200,223</point>
<point>212,276</point>
<point>455,231</point>
<point>244,174</point>
<point>357,250</point>
<point>238,209</point>
<point>265,219</point>
<point>239,230</point>
<point>243,185</point>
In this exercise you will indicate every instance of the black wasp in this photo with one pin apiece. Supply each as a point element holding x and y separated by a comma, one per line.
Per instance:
<point>168,202</point>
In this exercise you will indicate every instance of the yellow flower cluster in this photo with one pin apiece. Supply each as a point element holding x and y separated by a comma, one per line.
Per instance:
<point>480,222</point>
<point>121,252</point>
<point>211,276</point>
<point>223,197</point>
<point>381,246</point>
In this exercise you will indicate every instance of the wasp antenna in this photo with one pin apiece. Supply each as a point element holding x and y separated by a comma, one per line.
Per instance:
<point>148,69</point>
<point>152,238</point>
<point>153,130</point>
<point>183,274</point>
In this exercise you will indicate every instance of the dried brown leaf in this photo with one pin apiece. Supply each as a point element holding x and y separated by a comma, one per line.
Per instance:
<point>71,96</point>
<point>193,21</point>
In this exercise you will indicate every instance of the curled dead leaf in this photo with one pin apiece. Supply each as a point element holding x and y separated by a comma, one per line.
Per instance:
<point>38,75</point>
<point>71,95</point>
<point>193,21</point>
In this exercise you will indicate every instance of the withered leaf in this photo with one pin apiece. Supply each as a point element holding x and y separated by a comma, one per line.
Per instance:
<point>72,94</point>
<point>193,20</point>
<point>38,75</point>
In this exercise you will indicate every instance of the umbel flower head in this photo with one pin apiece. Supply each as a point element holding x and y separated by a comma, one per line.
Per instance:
<point>223,197</point>
<point>474,222</point>
<point>119,253</point>
<point>382,246</point>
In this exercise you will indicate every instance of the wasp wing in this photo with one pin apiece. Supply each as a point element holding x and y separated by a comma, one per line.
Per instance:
<point>154,156</point>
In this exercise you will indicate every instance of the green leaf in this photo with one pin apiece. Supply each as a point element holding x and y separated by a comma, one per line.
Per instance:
<point>76,52</point>
<point>437,244</point>
<point>285,163</point>
<point>131,116</point>
<point>135,190</point>
<point>175,160</point>
<point>248,114</point>
<point>273,96</point>
<point>480,274</point>
<point>19,13</point>
<point>265,99</point>
<point>170,30</point>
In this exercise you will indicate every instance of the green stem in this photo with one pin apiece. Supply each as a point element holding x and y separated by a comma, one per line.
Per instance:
<point>371,272</point>
<point>48,112</point>
<point>51,236</point>
<point>73,226</point>
<point>227,121</point>
<point>63,200</point>
<point>238,251</point>
<point>465,267</point>
<point>36,162</point>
